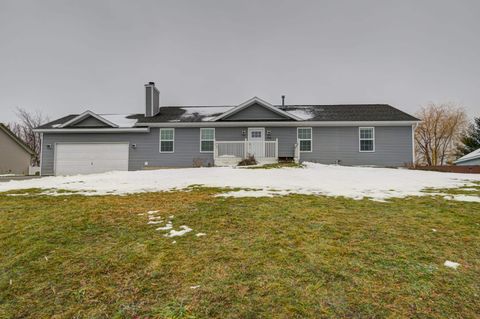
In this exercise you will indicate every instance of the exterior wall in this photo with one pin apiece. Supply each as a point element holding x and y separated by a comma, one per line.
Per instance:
<point>254,112</point>
<point>187,148</point>
<point>470,162</point>
<point>393,146</point>
<point>13,158</point>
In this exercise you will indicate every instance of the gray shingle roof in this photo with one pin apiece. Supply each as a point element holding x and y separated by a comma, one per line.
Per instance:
<point>340,112</point>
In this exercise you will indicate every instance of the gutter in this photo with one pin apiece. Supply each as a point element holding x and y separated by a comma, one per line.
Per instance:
<point>94,130</point>
<point>279,124</point>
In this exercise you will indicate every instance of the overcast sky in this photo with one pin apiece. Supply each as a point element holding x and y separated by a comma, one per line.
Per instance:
<point>64,57</point>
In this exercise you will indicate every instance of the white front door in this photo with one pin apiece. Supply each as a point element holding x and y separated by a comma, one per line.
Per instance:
<point>89,158</point>
<point>256,141</point>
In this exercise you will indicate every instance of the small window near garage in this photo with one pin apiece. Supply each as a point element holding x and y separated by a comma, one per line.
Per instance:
<point>207,139</point>
<point>304,137</point>
<point>167,138</point>
<point>367,139</point>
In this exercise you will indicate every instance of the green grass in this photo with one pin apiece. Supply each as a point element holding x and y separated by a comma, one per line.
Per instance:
<point>283,257</point>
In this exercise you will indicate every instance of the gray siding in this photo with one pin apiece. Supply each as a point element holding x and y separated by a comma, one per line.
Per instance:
<point>254,112</point>
<point>187,148</point>
<point>90,122</point>
<point>393,146</point>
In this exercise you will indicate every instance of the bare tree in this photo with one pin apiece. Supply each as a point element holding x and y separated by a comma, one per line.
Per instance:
<point>439,133</point>
<point>24,130</point>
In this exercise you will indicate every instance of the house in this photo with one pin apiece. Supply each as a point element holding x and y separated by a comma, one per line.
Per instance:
<point>189,136</point>
<point>470,159</point>
<point>15,156</point>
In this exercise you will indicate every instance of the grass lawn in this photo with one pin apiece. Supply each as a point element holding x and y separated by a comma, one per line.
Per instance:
<point>284,257</point>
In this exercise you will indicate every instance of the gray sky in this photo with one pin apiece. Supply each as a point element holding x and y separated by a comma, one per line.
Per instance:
<point>65,57</point>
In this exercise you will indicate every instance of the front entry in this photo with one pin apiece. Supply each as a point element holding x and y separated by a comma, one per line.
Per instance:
<point>256,139</point>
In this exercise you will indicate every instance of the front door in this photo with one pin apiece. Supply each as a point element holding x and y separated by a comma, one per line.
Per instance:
<point>256,139</point>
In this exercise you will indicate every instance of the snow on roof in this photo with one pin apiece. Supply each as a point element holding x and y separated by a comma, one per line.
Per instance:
<point>302,113</point>
<point>469,156</point>
<point>122,120</point>
<point>206,112</point>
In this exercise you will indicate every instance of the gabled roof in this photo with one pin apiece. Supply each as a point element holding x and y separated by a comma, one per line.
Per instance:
<point>259,101</point>
<point>15,138</point>
<point>205,114</point>
<point>85,115</point>
<point>470,156</point>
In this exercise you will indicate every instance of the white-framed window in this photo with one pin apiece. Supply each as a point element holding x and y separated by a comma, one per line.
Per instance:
<point>167,140</point>
<point>366,139</point>
<point>304,138</point>
<point>207,139</point>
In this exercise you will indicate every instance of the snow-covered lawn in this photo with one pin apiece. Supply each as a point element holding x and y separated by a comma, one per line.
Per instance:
<point>330,180</point>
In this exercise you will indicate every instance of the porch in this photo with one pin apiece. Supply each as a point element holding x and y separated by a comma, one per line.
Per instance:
<point>230,153</point>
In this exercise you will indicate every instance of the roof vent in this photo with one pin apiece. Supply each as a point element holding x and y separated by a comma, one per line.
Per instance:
<point>283,100</point>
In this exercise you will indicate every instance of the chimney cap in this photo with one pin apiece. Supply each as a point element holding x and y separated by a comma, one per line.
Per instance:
<point>151,83</point>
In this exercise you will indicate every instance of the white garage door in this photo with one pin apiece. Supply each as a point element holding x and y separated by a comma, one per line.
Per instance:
<point>88,158</point>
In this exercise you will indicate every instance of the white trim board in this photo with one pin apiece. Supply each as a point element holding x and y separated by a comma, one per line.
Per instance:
<point>85,115</point>
<point>278,123</point>
<point>94,130</point>
<point>366,139</point>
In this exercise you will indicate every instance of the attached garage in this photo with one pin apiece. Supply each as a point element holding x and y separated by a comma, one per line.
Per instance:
<point>90,158</point>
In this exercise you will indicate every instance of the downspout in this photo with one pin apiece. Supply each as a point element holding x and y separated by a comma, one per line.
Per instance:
<point>414,127</point>
<point>41,152</point>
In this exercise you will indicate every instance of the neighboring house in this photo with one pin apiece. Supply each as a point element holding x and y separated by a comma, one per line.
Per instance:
<point>472,158</point>
<point>187,136</point>
<point>15,156</point>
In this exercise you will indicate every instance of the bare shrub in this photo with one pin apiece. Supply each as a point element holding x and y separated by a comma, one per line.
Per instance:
<point>439,133</point>
<point>250,160</point>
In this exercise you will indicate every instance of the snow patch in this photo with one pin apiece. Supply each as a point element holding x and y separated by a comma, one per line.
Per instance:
<point>304,114</point>
<point>200,234</point>
<point>166,227</point>
<point>463,198</point>
<point>253,193</point>
<point>154,222</point>
<point>313,179</point>
<point>121,120</point>
<point>207,113</point>
<point>451,264</point>
<point>176,233</point>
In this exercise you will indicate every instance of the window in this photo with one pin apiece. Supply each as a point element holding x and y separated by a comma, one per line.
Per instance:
<point>256,134</point>
<point>366,139</point>
<point>207,139</point>
<point>304,137</point>
<point>167,136</point>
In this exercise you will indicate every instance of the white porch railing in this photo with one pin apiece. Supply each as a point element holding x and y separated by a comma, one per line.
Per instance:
<point>231,152</point>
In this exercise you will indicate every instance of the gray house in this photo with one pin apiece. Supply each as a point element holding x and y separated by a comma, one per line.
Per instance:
<point>190,136</point>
